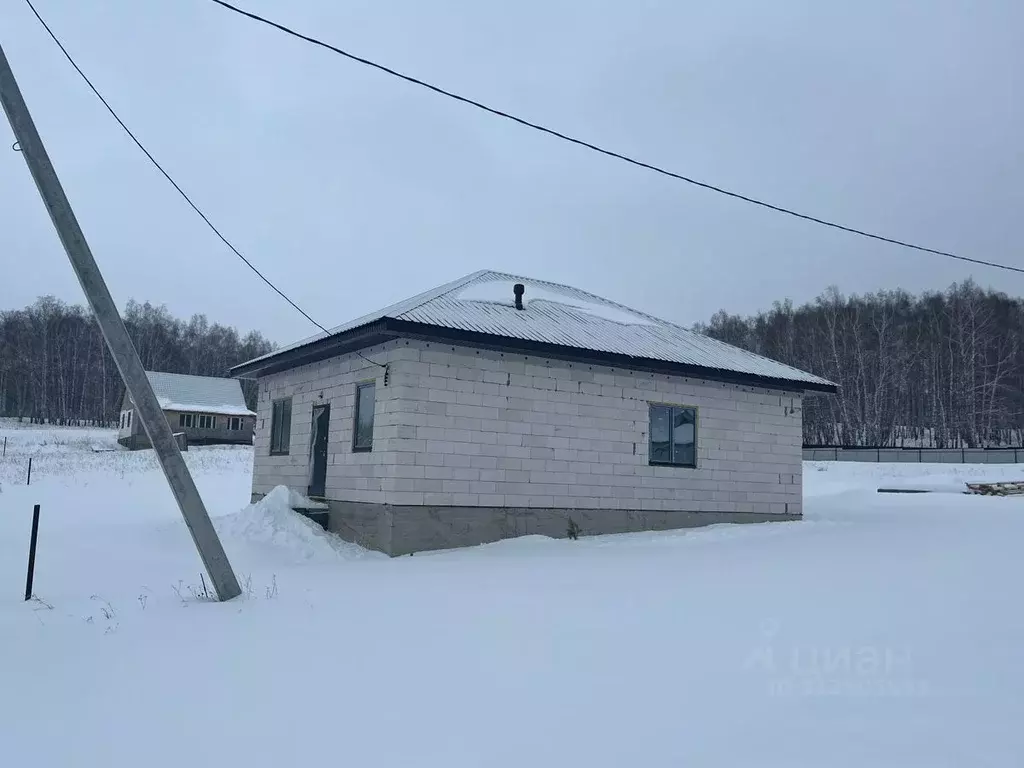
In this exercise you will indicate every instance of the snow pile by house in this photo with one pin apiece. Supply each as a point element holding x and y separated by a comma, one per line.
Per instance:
<point>273,523</point>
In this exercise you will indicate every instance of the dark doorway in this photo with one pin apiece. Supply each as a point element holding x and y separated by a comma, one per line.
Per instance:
<point>318,451</point>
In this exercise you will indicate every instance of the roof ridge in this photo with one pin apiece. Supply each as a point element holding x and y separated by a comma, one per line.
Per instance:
<point>405,305</point>
<point>588,294</point>
<point>658,320</point>
<point>645,336</point>
<point>417,301</point>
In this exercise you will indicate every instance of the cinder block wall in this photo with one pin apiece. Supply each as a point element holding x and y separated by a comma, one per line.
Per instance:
<point>350,476</point>
<point>459,427</point>
<point>477,428</point>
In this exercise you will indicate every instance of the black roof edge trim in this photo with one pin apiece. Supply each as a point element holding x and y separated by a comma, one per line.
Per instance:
<point>386,329</point>
<point>314,351</point>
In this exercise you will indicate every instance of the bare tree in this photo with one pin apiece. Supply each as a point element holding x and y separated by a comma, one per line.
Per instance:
<point>54,365</point>
<point>943,369</point>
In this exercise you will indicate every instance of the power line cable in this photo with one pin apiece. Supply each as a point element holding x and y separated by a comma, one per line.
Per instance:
<point>166,175</point>
<point>602,150</point>
<point>175,184</point>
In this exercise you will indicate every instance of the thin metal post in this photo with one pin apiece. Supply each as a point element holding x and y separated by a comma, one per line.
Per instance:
<point>32,553</point>
<point>114,333</point>
<point>5,445</point>
<point>29,481</point>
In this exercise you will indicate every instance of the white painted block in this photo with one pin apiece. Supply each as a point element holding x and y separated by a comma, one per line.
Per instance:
<point>557,434</point>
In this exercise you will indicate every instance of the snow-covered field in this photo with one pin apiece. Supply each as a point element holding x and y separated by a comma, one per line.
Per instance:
<point>884,630</point>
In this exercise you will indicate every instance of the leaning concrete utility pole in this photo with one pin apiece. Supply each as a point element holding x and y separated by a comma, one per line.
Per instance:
<point>116,335</point>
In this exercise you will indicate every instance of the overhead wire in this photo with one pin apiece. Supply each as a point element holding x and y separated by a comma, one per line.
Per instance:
<point>602,150</point>
<point>171,180</point>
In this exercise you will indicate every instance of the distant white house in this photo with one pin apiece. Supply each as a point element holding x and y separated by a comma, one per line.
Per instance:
<point>498,406</point>
<point>206,409</point>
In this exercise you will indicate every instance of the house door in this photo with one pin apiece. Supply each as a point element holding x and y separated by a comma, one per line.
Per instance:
<point>318,451</point>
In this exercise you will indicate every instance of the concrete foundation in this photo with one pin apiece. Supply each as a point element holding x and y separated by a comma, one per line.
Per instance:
<point>400,530</point>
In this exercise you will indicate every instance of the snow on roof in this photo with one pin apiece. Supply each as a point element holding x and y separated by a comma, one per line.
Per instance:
<point>199,394</point>
<point>483,302</point>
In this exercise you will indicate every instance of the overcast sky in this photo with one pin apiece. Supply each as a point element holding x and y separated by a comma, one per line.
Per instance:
<point>351,189</point>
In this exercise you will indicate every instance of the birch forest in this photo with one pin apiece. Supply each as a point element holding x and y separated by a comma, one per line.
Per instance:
<point>936,370</point>
<point>943,369</point>
<point>55,368</point>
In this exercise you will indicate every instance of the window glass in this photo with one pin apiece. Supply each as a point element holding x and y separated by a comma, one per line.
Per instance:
<point>280,426</point>
<point>365,397</point>
<point>684,436</point>
<point>661,434</point>
<point>673,432</point>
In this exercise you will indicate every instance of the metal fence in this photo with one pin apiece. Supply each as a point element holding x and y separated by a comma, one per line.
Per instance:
<point>917,455</point>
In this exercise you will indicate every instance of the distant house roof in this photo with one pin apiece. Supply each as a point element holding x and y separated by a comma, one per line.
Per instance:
<point>199,394</point>
<point>557,321</point>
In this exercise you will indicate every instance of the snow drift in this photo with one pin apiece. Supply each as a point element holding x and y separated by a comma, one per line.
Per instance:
<point>273,522</point>
<point>879,631</point>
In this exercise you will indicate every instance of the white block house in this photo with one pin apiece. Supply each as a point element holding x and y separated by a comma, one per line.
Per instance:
<point>498,406</point>
<point>207,409</point>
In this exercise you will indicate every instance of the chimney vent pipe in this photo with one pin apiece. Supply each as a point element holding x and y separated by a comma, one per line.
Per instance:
<point>519,289</point>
